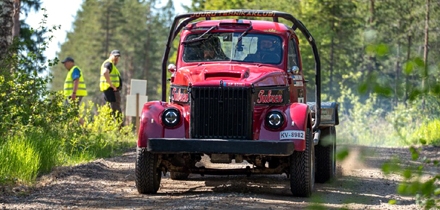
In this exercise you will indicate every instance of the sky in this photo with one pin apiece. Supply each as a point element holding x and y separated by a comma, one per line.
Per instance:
<point>63,12</point>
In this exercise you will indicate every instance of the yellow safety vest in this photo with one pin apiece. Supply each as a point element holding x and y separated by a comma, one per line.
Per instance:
<point>68,84</point>
<point>114,76</point>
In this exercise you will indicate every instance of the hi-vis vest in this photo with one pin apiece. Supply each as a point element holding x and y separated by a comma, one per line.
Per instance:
<point>114,76</point>
<point>68,84</point>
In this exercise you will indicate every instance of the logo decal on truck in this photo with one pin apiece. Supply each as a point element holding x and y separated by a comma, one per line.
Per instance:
<point>269,98</point>
<point>271,95</point>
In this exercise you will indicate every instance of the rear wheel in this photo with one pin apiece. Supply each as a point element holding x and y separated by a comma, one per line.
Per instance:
<point>302,169</point>
<point>148,176</point>
<point>325,155</point>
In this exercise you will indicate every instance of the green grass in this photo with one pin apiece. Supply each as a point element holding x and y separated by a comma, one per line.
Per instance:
<point>32,151</point>
<point>20,160</point>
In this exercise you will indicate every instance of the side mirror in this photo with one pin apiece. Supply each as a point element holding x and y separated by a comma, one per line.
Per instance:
<point>172,68</point>
<point>293,70</point>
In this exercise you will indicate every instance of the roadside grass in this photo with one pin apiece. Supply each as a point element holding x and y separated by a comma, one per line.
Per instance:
<point>34,151</point>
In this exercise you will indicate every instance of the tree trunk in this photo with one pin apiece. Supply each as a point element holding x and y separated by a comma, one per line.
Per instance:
<point>371,63</point>
<point>371,20</point>
<point>6,26</point>
<point>16,29</point>
<point>372,59</point>
<point>332,56</point>
<point>425,53</point>
<point>408,56</point>
<point>397,78</point>
<point>107,32</point>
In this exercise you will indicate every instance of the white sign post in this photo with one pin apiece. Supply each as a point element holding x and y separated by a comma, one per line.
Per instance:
<point>137,98</point>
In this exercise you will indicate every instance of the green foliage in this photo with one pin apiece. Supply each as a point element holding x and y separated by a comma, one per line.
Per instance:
<point>40,131</point>
<point>415,182</point>
<point>40,141</point>
<point>18,160</point>
<point>428,133</point>
<point>364,123</point>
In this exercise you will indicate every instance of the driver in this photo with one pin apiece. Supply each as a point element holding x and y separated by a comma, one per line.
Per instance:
<point>266,45</point>
<point>267,51</point>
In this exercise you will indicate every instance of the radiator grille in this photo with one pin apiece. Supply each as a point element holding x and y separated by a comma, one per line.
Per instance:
<point>221,112</point>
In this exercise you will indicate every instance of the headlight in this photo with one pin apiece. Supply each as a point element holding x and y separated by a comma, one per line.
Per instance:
<point>274,119</point>
<point>171,117</point>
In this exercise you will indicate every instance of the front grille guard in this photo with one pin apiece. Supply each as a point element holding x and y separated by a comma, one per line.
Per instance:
<point>221,113</point>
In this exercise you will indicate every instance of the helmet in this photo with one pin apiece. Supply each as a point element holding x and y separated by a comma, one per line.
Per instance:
<point>267,43</point>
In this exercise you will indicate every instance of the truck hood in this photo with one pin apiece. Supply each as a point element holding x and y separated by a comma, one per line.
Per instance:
<point>230,75</point>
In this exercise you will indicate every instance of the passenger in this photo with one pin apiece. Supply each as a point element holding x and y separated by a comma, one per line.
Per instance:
<point>212,50</point>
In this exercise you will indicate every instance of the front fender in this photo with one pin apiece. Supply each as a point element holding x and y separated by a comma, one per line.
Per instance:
<point>297,117</point>
<point>151,125</point>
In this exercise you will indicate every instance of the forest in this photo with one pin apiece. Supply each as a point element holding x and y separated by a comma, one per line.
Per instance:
<point>379,58</point>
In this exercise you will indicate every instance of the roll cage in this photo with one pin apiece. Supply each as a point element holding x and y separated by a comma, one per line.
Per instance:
<point>182,20</point>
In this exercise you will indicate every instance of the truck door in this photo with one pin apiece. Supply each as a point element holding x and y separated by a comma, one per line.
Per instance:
<point>296,80</point>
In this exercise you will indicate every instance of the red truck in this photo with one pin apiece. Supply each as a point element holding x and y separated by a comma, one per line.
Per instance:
<point>237,94</point>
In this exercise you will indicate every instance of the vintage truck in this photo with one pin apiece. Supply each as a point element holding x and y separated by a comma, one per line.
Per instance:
<point>237,93</point>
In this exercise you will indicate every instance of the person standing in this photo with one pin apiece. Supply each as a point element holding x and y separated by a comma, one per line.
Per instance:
<point>111,83</point>
<point>74,85</point>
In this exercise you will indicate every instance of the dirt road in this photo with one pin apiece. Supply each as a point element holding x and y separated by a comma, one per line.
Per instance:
<point>109,184</point>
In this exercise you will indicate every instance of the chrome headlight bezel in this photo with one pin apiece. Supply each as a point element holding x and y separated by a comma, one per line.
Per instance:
<point>171,117</point>
<point>274,119</point>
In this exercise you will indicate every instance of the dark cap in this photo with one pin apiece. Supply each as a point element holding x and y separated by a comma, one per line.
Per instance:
<point>68,59</point>
<point>115,52</point>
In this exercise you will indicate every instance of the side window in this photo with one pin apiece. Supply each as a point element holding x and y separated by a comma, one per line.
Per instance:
<point>292,58</point>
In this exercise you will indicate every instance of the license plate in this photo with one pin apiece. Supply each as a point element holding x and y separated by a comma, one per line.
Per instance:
<point>292,134</point>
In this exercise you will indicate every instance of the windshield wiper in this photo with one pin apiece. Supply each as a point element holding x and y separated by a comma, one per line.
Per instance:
<point>200,38</point>
<point>243,34</point>
<point>239,46</point>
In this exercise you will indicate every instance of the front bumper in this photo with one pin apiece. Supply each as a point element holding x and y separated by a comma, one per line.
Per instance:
<point>220,146</point>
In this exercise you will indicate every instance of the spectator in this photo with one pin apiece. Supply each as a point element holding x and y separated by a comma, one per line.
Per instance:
<point>111,84</point>
<point>74,85</point>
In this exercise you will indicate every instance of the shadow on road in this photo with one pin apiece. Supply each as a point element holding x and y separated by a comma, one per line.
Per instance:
<point>109,183</point>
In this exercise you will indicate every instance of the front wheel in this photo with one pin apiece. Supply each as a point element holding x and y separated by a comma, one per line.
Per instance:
<point>148,175</point>
<point>302,169</point>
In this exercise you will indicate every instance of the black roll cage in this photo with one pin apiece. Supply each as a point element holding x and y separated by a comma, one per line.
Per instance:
<point>178,24</point>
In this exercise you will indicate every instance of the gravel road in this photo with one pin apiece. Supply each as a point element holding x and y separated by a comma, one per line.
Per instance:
<point>109,184</point>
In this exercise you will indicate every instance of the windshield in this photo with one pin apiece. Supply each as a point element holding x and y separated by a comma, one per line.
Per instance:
<point>251,48</point>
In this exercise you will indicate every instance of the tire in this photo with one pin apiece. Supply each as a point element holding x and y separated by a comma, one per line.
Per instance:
<point>326,155</point>
<point>302,169</point>
<point>179,175</point>
<point>148,176</point>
